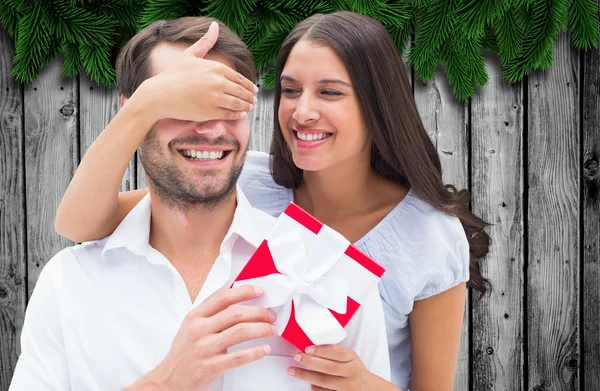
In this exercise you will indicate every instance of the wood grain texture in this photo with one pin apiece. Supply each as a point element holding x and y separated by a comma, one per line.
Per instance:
<point>13,290</point>
<point>497,197</point>
<point>591,219</point>
<point>51,154</point>
<point>553,221</point>
<point>446,122</point>
<point>261,121</point>
<point>97,107</point>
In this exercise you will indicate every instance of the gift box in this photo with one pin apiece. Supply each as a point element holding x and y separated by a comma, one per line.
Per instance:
<point>314,279</point>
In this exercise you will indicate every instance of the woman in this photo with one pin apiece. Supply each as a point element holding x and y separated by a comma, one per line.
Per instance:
<point>350,148</point>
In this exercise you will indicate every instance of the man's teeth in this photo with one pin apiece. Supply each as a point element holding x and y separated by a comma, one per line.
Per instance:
<point>203,155</point>
<point>312,136</point>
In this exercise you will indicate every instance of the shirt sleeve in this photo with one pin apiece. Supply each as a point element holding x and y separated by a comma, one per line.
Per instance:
<point>367,336</point>
<point>451,266</point>
<point>42,364</point>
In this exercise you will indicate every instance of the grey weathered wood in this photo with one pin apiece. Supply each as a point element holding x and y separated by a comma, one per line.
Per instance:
<point>50,158</point>
<point>261,121</point>
<point>497,197</point>
<point>553,220</point>
<point>141,180</point>
<point>446,122</point>
<point>97,107</point>
<point>13,290</point>
<point>591,220</point>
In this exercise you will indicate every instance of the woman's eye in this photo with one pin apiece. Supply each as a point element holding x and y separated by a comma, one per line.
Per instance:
<point>288,90</point>
<point>331,93</point>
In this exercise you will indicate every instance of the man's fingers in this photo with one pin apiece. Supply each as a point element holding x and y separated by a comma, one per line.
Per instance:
<point>238,78</point>
<point>226,298</point>
<point>239,314</point>
<point>204,44</point>
<point>243,332</point>
<point>238,358</point>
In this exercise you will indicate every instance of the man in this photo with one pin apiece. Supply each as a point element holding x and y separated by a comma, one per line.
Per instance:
<point>148,308</point>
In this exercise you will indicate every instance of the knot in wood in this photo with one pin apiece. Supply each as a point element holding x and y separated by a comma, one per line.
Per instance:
<point>67,110</point>
<point>590,168</point>
<point>539,388</point>
<point>4,291</point>
<point>489,351</point>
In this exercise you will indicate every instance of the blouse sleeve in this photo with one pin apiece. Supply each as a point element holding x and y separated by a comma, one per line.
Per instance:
<point>451,266</point>
<point>423,250</point>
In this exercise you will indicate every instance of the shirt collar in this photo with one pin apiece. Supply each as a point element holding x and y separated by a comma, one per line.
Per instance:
<point>134,231</point>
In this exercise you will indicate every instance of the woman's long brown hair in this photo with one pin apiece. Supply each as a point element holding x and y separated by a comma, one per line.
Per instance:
<point>402,150</point>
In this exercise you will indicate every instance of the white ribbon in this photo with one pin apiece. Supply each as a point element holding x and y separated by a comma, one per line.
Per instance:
<point>302,281</point>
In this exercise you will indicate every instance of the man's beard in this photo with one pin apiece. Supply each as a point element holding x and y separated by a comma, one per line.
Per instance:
<point>171,185</point>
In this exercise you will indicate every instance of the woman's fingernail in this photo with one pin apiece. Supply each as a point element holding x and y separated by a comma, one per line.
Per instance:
<point>251,107</point>
<point>310,349</point>
<point>259,291</point>
<point>267,349</point>
<point>255,99</point>
<point>274,328</point>
<point>272,315</point>
<point>243,114</point>
<point>291,371</point>
<point>297,357</point>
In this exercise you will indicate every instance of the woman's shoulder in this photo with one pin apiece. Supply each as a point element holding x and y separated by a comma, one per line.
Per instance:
<point>259,187</point>
<point>424,250</point>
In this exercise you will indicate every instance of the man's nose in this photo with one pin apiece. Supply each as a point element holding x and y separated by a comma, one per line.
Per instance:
<point>306,110</point>
<point>214,128</point>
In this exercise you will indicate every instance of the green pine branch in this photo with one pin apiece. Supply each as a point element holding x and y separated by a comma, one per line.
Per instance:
<point>434,25</point>
<point>166,9</point>
<point>545,20</point>
<point>35,46</point>
<point>583,20</point>
<point>453,34</point>
<point>234,13</point>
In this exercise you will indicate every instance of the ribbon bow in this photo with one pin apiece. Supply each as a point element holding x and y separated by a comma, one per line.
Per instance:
<point>302,282</point>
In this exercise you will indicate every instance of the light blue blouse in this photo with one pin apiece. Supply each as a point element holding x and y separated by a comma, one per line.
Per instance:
<point>423,250</point>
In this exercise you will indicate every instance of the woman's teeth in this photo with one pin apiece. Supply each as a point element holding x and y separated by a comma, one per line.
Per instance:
<point>203,155</point>
<point>312,136</point>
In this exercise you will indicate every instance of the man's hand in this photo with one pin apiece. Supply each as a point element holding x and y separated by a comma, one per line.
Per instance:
<point>194,89</point>
<point>198,355</point>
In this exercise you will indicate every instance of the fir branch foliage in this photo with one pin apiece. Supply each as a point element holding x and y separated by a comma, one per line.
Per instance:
<point>583,20</point>
<point>434,25</point>
<point>508,34</point>
<point>543,24</point>
<point>98,65</point>
<point>268,80</point>
<point>233,13</point>
<point>450,33</point>
<point>11,11</point>
<point>72,64</point>
<point>35,45</point>
<point>166,9</point>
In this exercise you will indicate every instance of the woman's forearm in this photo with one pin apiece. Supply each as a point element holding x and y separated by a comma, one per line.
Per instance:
<point>376,382</point>
<point>89,206</point>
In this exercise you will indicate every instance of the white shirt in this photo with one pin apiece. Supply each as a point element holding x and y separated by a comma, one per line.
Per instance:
<point>104,313</point>
<point>423,250</point>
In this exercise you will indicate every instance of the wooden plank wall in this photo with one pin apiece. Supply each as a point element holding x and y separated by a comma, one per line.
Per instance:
<point>528,152</point>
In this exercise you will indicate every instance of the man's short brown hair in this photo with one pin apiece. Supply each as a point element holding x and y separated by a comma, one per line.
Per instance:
<point>133,66</point>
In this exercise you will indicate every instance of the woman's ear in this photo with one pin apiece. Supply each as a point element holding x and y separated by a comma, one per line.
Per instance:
<point>123,100</point>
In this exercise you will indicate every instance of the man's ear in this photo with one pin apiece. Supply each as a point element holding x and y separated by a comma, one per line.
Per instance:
<point>123,100</point>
